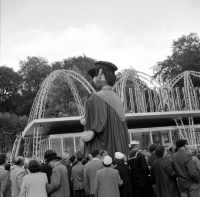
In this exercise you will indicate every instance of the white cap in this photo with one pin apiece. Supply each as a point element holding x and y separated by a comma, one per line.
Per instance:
<point>119,155</point>
<point>107,160</point>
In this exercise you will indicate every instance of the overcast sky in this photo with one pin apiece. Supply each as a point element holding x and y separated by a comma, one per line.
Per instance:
<point>136,33</point>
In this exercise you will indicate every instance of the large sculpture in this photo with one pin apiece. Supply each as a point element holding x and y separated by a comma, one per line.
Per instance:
<point>105,126</point>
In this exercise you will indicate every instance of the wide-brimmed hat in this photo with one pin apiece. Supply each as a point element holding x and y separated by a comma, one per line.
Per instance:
<point>51,156</point>
<point>104,66</point>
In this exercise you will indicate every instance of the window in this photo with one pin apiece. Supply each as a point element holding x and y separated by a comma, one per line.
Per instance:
<point>56,145</point>
<point>175,136</point>
<point>79,144</point>
<point>68,145</point>
<point>161,138</point>
<point>142,137</point>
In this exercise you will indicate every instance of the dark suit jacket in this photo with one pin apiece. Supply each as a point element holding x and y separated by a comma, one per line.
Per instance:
<point>5,183</point>
<point>185,169</point>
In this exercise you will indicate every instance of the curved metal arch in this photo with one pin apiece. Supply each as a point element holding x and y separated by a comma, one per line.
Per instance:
<point>38,107</point>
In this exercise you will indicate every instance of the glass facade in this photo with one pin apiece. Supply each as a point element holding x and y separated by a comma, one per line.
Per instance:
<point>68,145</point>
<point>161,138</point>
<point>56,145</point>
<point>142,137</point>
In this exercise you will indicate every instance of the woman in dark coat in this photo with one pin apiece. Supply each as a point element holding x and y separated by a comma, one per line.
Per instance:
<point>126,189</point>
<point>164,176</point>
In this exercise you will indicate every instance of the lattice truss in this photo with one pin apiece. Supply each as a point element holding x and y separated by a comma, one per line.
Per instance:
<point>139,93</point>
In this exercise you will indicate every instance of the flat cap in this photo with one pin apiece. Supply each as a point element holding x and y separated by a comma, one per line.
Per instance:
<point>181,143</point>
<point>103,65</point>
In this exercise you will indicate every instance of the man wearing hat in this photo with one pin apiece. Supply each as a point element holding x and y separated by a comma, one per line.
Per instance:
<point>59,184</point>
<point>188,177</point>
<point>125,174</point>
<point>105,125</point>
<point>107,180</point>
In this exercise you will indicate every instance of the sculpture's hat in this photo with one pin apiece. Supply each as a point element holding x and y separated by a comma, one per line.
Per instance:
<point>108,66</point>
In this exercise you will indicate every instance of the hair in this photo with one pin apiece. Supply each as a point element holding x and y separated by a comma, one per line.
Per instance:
<point>8,166</point>
<point>176,149</point>
<point>34,166</point>
<point>95,152</point>
<point>160,151</point>
<point>194,151</point>
<point>110,77</point>
<point>2,158</point>
<point>106,165</point>
<point>72,158</point>
<point>80,157</point>
<point>119,161</point>
<point>19,160</point>
<point>78,152</point>
<point>102,152</point>
<point>152,147</point>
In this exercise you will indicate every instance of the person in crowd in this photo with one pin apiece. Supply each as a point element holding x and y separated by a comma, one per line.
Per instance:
<point>171,151</point>
<point>105,127</point>
<point>7,167</point>
<point>198,154</point>
<point>73,160</point>
<point>67,163</point>
<point>164,175</point>
<point>195,159</point>
<point>46,168</point>
<point>59,183</point>
<point>17,174</point>
<point>141,175</point>
<point>5,183</point>
<point>34,183</point>
<point>87,159</point>
<point>107,180</point>
<point>102,154</point>
<point>188,177</point>
<point>77,177</point>
<point>153,156</point>
<point>125,174</point>
<point>90,170</point>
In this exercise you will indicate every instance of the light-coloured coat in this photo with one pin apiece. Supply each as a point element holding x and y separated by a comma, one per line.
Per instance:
<point>59,185</point>
<point>107,182</point>
<point>5,183</point>
<point>90,171</point>
<point>33,185</point>
<point>16,175</point>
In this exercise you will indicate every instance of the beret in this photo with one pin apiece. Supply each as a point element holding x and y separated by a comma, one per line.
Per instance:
<point>181,142</point>
<point>103,65</point>
<point>119,155</point>
<point>107,160</point>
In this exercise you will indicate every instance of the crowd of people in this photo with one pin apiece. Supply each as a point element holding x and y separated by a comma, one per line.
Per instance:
<point>155,171</point>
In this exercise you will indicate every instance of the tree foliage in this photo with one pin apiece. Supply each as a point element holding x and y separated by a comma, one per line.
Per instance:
<point>185,56</point>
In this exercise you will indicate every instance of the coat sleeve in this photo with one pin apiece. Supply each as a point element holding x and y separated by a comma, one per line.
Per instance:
<point>5,182</point>
<point>170,170</point>
<point>197,163</point>
<point>144,164</point>
<point>191,169</point>
<point>95,114</point>
<point>19,178</point>
<point>97,184</point>
<point>23,189</point>
<point>119,180</point>
<point>86,181</point>
<point>55,181</point>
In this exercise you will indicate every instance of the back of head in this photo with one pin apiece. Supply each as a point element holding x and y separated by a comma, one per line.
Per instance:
<point>65,156</point>
<point>34,166</point>
<point>72,158</point>
<point>95,152</point>
<point>152,147</point>
<point>19,160</point>
<point>2,158</point>
<point>160,151</point>
<point>79,157</point>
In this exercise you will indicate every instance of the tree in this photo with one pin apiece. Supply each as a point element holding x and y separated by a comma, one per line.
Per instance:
<point>32,72</point>
<point>10,126</point>
<point>185,56</point>
<point>9,89</point>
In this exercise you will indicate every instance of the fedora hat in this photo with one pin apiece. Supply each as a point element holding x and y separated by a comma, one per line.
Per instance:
<point>51,156</point>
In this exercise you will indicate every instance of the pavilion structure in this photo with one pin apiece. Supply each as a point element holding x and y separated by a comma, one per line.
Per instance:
<point>155,113</point>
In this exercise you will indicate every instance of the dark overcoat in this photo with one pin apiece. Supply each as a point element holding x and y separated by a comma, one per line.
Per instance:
<point>126,190</point>
<point>164,177</point>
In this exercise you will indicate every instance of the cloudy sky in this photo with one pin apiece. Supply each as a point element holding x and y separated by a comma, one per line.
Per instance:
<point>136,33</point>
